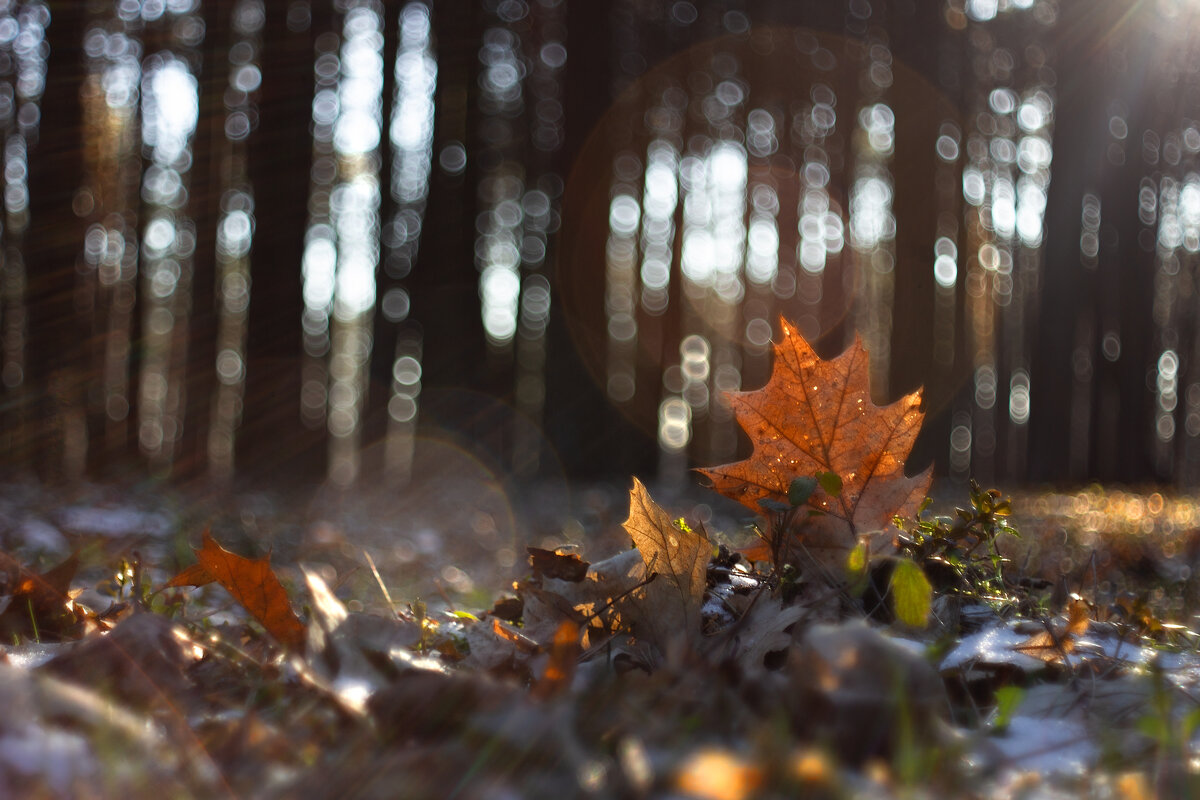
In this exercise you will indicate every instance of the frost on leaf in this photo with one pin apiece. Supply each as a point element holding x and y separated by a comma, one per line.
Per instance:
<point>678,560</point>
<point>816,416</point>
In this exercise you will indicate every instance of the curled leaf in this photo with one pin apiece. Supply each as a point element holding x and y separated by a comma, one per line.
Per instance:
<point>556,564</point>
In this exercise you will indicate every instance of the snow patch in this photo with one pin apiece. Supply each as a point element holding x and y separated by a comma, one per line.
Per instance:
<point>991,647</point>
<point>59,758</point>
<point>41,536</point>
<point>114,522</point>
<point>1047,746</point>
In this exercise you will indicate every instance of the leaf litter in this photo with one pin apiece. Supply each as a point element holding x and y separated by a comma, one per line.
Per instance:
<point>857,647</point>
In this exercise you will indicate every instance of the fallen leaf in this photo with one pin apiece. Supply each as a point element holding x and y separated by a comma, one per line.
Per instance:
<point>252,583</point>
<point>763,629</point>
<point>494,647</point>
<point>508,609</point>
<point>912,594</point>
<point>851,686</point>
<point>1052,645</point>
<point>556,564</point>
<point>142,660</point>
<point>564,656</point>
<point>815,418</point>
<point>509,634</point>
<point>669,605</point>
<point>39,606</point>
<point>327,615</point>
<point>593,603</point>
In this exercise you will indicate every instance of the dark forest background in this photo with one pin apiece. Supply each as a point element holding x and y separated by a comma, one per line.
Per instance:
<point>245,241</point>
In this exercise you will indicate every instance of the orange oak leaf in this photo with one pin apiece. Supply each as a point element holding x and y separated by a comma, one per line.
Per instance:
<point>816,416</point>
<point>252,583</point>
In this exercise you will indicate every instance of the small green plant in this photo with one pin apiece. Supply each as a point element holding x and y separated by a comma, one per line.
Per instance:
<point>960,554</point>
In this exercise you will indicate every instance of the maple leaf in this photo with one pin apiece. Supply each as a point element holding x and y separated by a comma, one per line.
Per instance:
<point>252,583</point>
<point>678,558</point>
<point>815,419</point>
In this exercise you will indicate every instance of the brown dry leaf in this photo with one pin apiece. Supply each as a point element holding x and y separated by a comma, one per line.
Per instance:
<point>143,660</point>
<point>596,603</point>
<point>40,605</point>
<point>1052,645</point>
<point>510,634</point>
<point>564,657</point>
<point>252,583</point>
<point>557,564</point>
<point>763,629</point>
<point>669,605</point>
<point>817,416</point>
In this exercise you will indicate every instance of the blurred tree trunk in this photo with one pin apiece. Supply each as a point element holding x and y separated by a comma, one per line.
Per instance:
<point>1100,51</point>
<point>445,282</point>
<point>56,355</point>
<point>1134,260</point>
<point>383,348</point>
<point>192,462</point>
<point>272,437</point>
<point>590,435</point>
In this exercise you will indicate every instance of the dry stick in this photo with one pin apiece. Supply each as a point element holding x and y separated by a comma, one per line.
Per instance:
<point>345,576</point>
<point>441,590</point>
<point>588,618</point>
<point>727,633</point>
<point>379,579</point>
<point>138,602</point>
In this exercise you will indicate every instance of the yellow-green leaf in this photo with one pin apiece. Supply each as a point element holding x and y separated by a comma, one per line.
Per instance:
<point>856,564</point>
<point>857,576</point>
<point>912,594</point>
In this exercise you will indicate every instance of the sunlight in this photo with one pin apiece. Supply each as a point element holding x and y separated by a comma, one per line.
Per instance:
<point>357,128</point>
<point>171,108</point>
<point>871,220</point>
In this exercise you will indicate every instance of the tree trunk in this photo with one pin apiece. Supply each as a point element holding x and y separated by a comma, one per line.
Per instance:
<point>55,345</point>
<point>272,436</point>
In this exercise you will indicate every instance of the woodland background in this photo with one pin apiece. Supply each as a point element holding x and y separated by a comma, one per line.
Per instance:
<point>244,241</point>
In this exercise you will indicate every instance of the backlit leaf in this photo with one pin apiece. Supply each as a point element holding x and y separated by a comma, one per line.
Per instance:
<point>564,654</point>
<point>679,560</point>
<point>816,417</point>
<point>912,594</point>
<point>831,482</point>
<point>252,583</point>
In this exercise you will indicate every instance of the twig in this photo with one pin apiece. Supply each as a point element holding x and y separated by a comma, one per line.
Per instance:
<point>136,597</point>
<point>379,579</point>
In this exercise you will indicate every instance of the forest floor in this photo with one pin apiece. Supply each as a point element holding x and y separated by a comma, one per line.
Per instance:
<point>422,650</point>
